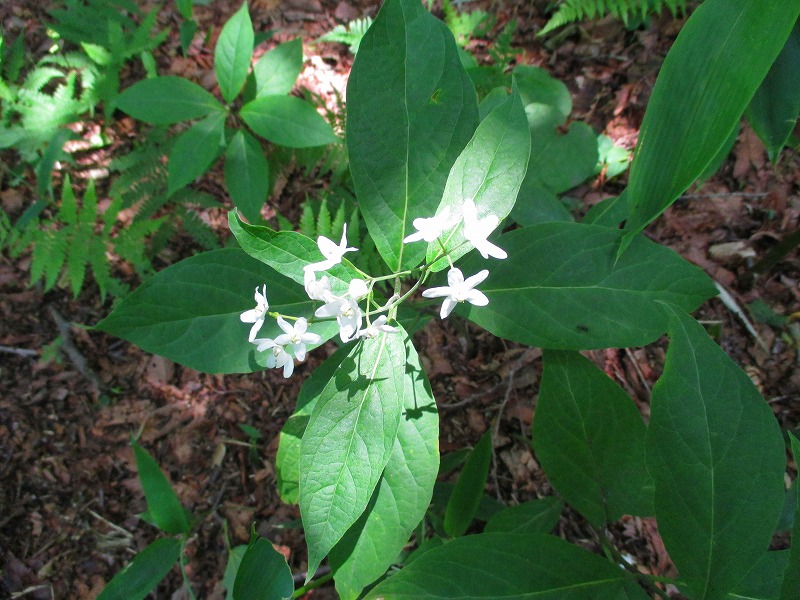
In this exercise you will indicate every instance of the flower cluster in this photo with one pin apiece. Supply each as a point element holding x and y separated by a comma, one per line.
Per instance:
<point>476,232</point>
<point>292,344</point>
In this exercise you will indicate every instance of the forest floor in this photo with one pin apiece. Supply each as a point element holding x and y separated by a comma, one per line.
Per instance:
<point>69,493</point>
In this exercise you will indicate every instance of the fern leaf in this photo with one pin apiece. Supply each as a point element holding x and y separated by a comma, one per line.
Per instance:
<point>199,230</point>
<point>350,34</point>
<point>354,228</point>
<point>88,213</point>
<point>307,226</point>
<point>337,225</point>
<point>68,212</point>
<point>324,220</point>
<point>77,256</point>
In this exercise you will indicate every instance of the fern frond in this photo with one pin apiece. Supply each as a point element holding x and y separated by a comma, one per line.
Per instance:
<point>351,34</point>
<point>307,225</point>
<point>337,225</point>
<point>575,10</point>
<point>324,219</point>
<point>198,229</point>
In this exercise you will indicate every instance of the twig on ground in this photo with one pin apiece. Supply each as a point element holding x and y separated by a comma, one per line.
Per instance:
<point>496,426</point>
<point>73,353</point>
<point>19,351</point>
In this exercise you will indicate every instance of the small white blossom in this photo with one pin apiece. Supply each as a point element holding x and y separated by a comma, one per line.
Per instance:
<point>317,289</point>
<point>476,231</point>
<point>295,337</point>
<point>346,310</point>
<point>458,290</point>
<point>376,327</point>
<point>258,314</point>
<point>332,252</point>
<point>278,356</point>
<point>432,228</point>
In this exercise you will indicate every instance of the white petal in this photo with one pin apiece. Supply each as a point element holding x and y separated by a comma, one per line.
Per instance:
<point>254,329</point>
<point>264,343</point>
<point>283,324</point>
<point>357,289</point>
<point>311,338</point>
<point>455,278</point>
<point>250,316</point>
<point>300,351</point>
<point>331,309</point>
<point>300,326</point>
<point>283,339</point>
<point>288,367</point>
<point>447,307</point>
<point>414,237</point>
<point>474,280</point>
<point>328,248</point>
<point>437,292</point>
<point>477,297</point>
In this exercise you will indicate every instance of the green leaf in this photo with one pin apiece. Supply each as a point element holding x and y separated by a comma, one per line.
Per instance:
<point>288,252</point>
<point>402,495</point>
<point>233,52</point>
<point>537,204</point>
<point>489,171</point>
<point>142,574</point>
<point>411,109</point>
<point>183,314</point>
<point>535,516</point>
<point>763,582</point>
<point>349,439</point>
<point>503,565</point>
<point>790,590</point>
<point>468,491</point>
<point>562,287</point>
<point>546,99</point>
<point>717,458</point>
<point>163,507</point>
<point>276,71</point>
<point>263,574</point>
<point>195,150</point>
<point>167,100</point>
<point>609,212</point>
<point>231,568</point>
<point>773,111</point>
<point>288,121</point>
<point>247,174</point>
<point>561,162</point>
<point>696,103</point>
<point>287,461</point>
<point>589,438</point>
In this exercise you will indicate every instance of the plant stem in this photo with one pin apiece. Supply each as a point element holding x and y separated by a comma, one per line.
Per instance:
<point>182,563</point>
<point>312,585</point>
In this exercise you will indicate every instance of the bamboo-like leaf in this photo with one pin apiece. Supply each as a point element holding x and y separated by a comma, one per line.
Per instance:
<point>163,507</point>
<point>142,574</point>
<point>233,52</point>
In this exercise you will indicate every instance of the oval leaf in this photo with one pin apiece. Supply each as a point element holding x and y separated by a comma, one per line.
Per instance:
<point>790,589</point>
<point>142,574</point>
<point>179,314</point>
<point>503,565</point>
<point>167,100</point>
<point>468,491</point>
<point>562,287</point>
<point>536,516</point>
<point>276,71</point>
<point>195,150</point>
<point>489,171</point>
<point>164,509</point>
<point>233,52</point>
<point>411,109</point>
<point>589,438</point>
<point>696,103</point>
<point>263,574</point>
<point>402,495</point>
<point>348,441</point>
<point>717,457</point>
<point>288,121</point>
<point>247,174</point>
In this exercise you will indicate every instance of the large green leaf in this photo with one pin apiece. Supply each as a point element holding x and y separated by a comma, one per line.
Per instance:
<point>287,461</point>
<point>411,109</point>
<point>348,441</point>
<point>288,121</point>
<point>535,516</point>
<point>263,574</point>
<point>247,174</point>
<point>562,287</point>
<point>504,565</point>
<point>233,52</point>
<point>164,509</point>
<point>589,438</point>
<point>195,150</point>
<point>167,100</point>
<point>186,315</point>
<point>276,71</point>
<point>402,494</point>
<point>708,78</point>
<point>142,574</point>
<point>790,590</point>
<point>489,171</point>
<point>774,108</point>
<point>763,582</point>
<point>288,252</point>
<point>468,491</point>
<point>561,162</point>
<point>717,458</point>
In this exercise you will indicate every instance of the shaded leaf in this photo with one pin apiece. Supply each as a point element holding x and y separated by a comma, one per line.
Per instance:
<point>247,174</point>
<point>288,121</point>
<point>468,491</point>
<point>195,150</point>
<point>141,576</point>
<point>535,516</point>
<point>263,574</point>
<point>233,52</point>
<point>276,71</point>
<point>167,100</point>
<point>163,507</point>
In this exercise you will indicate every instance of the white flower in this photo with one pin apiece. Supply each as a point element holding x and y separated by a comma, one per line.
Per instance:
<point>376,327</point>
<point>333,254</point>
<point>317,289</point>
<point>346,310</point>
<point>432,228</point>
<point>458,290</point>
<point>295,337</point>
<point>278,356</point>
<point>258,314</point>
<point>476,231</point>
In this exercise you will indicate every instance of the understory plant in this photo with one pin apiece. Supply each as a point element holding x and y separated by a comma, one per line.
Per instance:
<point>436,175</point>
